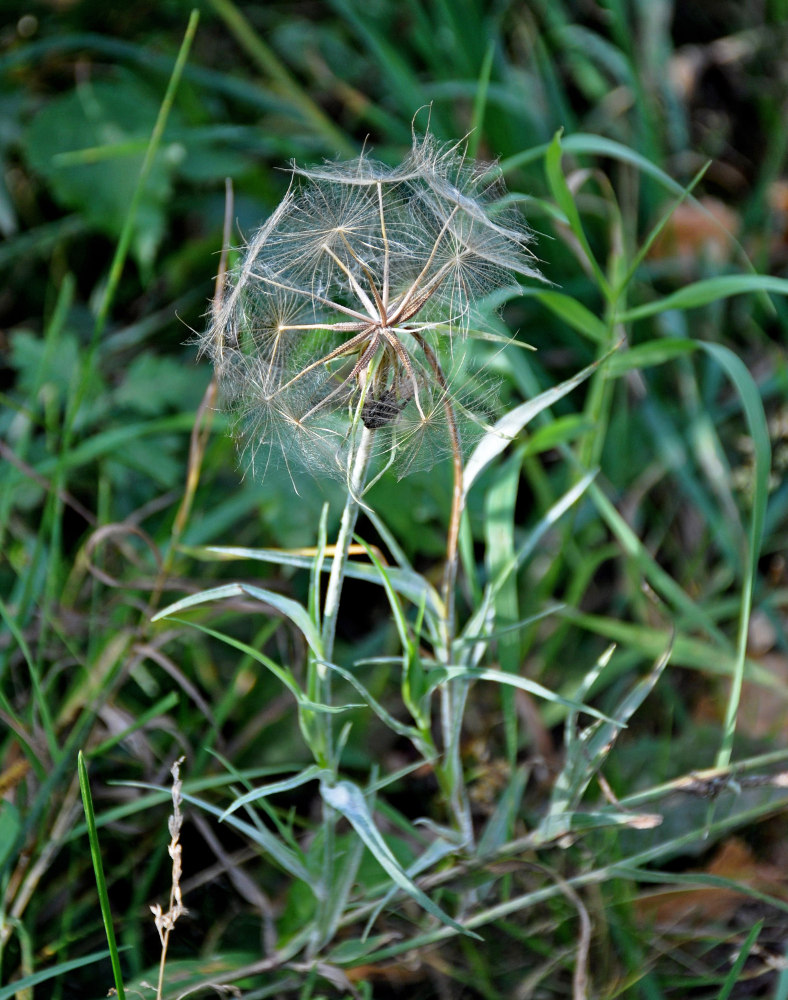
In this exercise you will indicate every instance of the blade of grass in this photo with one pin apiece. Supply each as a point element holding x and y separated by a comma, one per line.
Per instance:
<point>500,551</point>
<point>98,868</point>
<point>566,202</point>
<point>39,699</point>
<point>509,426</point>
<point>311,773</point>
<point>286,606</point>
<point>349,800</point>
<point>666,849</point>
<point>744,953</point>
<point>277,72</point>
<point>701,293</point>
<point>756,422</point>
<point>58,972</point>
<point>122,249</point>
<point>480,101</point>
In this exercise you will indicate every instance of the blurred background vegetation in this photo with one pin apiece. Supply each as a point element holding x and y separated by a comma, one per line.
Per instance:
<point>102,507</point>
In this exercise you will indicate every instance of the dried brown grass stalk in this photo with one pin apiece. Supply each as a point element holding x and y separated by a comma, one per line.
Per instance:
<point>165,921</point>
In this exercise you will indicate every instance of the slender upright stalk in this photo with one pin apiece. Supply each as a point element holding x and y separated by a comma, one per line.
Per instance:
<point>347,524</point>
<point>453,693</point>
<point>319,669</point>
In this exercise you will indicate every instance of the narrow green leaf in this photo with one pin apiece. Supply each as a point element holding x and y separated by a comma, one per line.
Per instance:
<point>284,856</point>
<point>443,674</point>
<point>574,313</point>
<point>386,717</point>
<point>566,202</point>
<point>348,799</point>
<point>280,76</point>
<point>701,293</point>
<point>500,551</point>
<point>654,352</point>
<point>558,431</point>
<point>687,651</point>
<point>59,971</point>
<point>480,101</point>
<point>744,953</point>
<point>750,397</point>
<point>10,827</point>
<point>39,698</point>
<point>272,788</point>
<point>497,439</point>
<point>596,145</point>
<point>407,582</point>
<point>121,251</point>
<point>291,609</point>
<point>98,868</point>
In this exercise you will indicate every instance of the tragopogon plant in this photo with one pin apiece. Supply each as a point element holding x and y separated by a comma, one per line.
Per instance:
<point>351,305</point>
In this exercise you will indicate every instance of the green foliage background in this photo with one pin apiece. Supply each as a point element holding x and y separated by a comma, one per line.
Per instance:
<point>104,515</point>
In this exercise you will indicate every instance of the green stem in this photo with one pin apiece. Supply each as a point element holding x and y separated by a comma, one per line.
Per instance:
<point>347,524</point>
<point>358,475</point>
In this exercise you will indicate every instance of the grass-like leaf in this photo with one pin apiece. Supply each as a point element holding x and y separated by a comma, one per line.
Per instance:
<point>744,953</point>
<point>98,868</point>
<point>702,293</point>
<point>440,675</point>
<point>736,371</point>
<point>312,773</point>
<point>568,205</point>
<point>348,799</point>
<point>286,606</point>
<point>503,432</point>
<point>405,581</point>
<point>18,987</point>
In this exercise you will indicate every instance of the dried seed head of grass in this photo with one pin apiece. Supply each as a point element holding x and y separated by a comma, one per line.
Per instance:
<point>165,921</point>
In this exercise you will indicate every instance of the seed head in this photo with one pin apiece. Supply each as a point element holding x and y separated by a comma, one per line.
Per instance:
<point>353,306</point>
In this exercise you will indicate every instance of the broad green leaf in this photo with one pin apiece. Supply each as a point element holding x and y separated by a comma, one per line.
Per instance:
<point>105,113</point>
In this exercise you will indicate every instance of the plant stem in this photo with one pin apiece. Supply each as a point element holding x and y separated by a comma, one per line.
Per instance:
<point>356,480</point>
<point>358,475</point>
<point>454,693</point>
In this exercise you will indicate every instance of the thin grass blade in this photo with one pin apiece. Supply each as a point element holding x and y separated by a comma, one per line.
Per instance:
<point>348,799</point>
<point>98,868</point>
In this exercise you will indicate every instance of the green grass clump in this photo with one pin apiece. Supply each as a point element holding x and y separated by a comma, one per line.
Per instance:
<point>508,726</point>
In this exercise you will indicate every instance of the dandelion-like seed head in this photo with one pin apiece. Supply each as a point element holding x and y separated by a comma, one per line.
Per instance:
<point>353,306</point>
